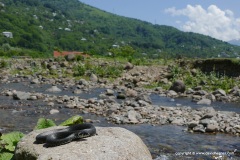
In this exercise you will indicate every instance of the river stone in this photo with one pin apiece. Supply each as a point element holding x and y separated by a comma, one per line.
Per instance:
<point>204,101</point>
<point>178,86</point>
<point>83,82</point>
<point>70,57</point>
<point>211,97</point>
<point>109,92</point>
<point>145,98</point>
<point>54,89</point>
<point>172,93</point>
<point>178,121</point>
<point>212,127</point>
<point>93,78</point>
<point>21,95</point>
<point>207,122</point>
<point>128,66</point>
<point>131,93</point>
<point>9,93</point>
<point>193,124</point>
<point>121,96</point>
<point>220,91</point>
<point>199,128</point>
<point>110,143</point>
<point>35,81</point>
<point>54,111</point>
<point>77,91</point>
<point>133,116</point>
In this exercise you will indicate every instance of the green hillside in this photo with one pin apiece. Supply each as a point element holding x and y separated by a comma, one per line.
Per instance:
<point>42,26</point>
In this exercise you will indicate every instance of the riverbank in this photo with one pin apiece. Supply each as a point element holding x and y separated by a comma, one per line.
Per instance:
<point>122,100</point>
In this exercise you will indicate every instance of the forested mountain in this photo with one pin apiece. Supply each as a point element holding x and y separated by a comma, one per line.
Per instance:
<point>42,25</point>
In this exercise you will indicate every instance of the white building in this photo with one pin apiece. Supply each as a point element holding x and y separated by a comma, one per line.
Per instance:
<point>8,34</point>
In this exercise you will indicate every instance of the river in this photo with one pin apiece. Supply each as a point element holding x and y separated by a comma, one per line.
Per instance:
<point>167,141</point>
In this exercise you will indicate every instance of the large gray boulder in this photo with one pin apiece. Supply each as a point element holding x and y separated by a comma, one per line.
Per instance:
<point>178,86</point>
<point>21,95</point>
<point>110,143</point>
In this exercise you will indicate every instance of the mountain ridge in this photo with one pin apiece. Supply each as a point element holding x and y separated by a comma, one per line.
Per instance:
<point>43,26</point>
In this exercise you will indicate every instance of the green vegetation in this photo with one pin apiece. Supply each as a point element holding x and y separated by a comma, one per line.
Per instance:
<point>44,123</point>
<point>108,71</point>
<point>3,64</point>
<point>8,143</point>
<point>40,26</point>
<point>73,120</point>
<point>209,82</point>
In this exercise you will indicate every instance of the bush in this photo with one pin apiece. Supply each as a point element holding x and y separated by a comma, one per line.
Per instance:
<point>8,142</point>
<point>80,70</point>
<point>3,64</point>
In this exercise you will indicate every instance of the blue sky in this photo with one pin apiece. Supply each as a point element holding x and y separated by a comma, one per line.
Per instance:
<point>217,18</point>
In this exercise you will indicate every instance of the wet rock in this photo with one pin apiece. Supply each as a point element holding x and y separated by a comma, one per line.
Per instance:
<point>131,93</point>
<point>109,92</point>
<point>83,82</point>
<point>211,97</point>
<point>54,111</point>
<point>200,93</point>
<point>33,97</point>
<point>220,91</point>
<point>54,89</point>
<point>88,120</point>
<point>21,95</point>
<point>192,124</point>
<point>93,78</point>
<point>204,102</point>
<point>133,116</point>
<point>208,122</point>
<point>145,98</point>
<point>178,86</point>
<point>51,104</point>
<point>237,128</point>
<point>121,96</point>
<point>209,114</point>
<point>212,127</point>
<point>178,121</point>
<point>8,93</point>
<point>77,91</point>
<point>196,98</point>
<point>35,81</point>
<point>172,93</point>
<point>199,128</point>
<point>190,91</point>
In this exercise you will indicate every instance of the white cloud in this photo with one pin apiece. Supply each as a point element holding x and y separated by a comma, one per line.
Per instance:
<point>213,21</point>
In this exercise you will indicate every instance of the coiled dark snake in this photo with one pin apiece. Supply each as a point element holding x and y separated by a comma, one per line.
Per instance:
<point>62,136</point>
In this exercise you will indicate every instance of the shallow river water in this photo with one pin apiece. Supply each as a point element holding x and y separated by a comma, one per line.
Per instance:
<point>169,141</point>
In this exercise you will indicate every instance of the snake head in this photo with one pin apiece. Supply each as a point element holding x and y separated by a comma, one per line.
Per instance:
<point>82,134</point>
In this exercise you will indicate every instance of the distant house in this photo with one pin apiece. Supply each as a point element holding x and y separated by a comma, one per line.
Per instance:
<point>67,29</point>
<point>64,53</point>
<point>8,34</point>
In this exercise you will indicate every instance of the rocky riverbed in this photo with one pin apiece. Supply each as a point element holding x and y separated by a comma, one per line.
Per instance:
<point>122,101</point>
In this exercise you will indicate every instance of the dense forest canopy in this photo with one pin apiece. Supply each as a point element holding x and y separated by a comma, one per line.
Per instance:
<point>43,25</point>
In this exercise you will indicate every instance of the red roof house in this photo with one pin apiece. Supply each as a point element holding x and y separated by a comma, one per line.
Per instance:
<point>64,53</point>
